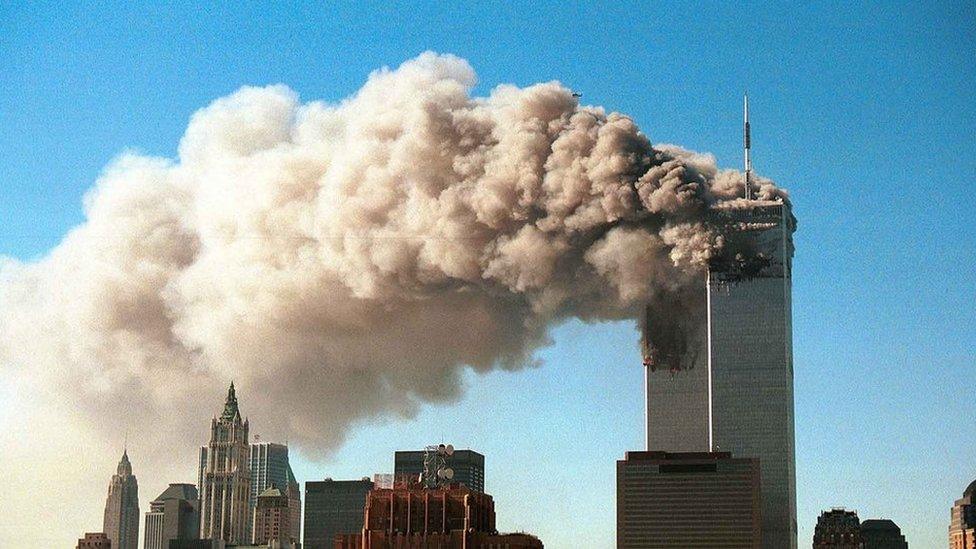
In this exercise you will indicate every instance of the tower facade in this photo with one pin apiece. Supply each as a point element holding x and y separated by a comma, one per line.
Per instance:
<point>121,524</point>
<point>734,389</point>
<point>333,507</point>
<point>225,479</point>
<point>468,466</point>
<point>269,467</point>
<point>174,515</point>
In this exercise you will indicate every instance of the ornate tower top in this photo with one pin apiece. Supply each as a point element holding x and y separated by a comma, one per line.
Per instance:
<point>125,468</point>
<point>231,412</point>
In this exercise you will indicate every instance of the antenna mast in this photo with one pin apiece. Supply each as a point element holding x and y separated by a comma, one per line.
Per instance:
<point>747,144</point>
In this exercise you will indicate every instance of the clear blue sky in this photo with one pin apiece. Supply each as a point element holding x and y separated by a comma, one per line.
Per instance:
<point>864,111</point>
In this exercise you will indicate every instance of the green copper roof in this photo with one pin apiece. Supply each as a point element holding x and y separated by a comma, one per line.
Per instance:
<point>230,407</point>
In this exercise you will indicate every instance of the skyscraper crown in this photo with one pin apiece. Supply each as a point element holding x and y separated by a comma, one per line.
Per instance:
<point>125,468</point>
<point>231,411</point>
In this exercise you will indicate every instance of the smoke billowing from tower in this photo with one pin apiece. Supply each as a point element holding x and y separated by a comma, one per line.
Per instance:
<point>351,259</point>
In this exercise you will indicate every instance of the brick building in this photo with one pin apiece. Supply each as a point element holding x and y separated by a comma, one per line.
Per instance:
<point>96,540</point>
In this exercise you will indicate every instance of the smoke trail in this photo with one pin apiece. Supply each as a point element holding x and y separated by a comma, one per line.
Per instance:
<point>347,261</point>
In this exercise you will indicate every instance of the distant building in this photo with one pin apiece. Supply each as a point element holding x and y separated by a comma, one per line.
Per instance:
<point>121,523</point>
<point>681,500</point>
<point>197,544</point>
<point>225,480</point>
<point>881,534</point>
<point>383,480</point>
<point>272,518</point>
<point>838,529</point>
<point>410,516</point>
<point>962,528</point>
<point>174,515</point>
<point>269,467</point>
<point>96,540</point>
<point>333,507</point>
<point>468,466</point>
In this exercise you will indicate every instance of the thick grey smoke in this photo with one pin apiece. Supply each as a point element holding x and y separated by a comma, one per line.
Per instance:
<point>347,261</point>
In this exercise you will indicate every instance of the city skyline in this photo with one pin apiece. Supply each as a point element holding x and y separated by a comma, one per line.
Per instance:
<point>861,115</point>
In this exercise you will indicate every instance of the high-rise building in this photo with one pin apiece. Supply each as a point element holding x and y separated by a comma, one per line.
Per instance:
<point>733,390</point>
<point>272,518</point>
<point>174,515</point>
<point>962,527</point>
<point>333,507</point>
<point>94,540</point>
<point>121,523</point>
<point>412,516</point>
<point>270,468</point>
<point>687,500</point>
<point>468,467</point>
<point>881,534</point>
<point>225,480</point>
<point>837,529</point>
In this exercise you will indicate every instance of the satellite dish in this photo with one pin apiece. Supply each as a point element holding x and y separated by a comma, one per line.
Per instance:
<point>441,449</point>
<point>448,473</point>
<point>449,450</point>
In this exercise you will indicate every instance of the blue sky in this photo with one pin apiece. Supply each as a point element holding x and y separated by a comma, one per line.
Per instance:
<point>864,111</point>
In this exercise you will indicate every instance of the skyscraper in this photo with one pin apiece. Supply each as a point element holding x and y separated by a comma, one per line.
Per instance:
<point>837,529</point>
<point>121,524</point>
<point>333,507</point>
<point>94,540</point>
<point>734,390</point>
<point>174,515</point>
<point>962,527</point>
<point>680,500</point>
<point>881,534</point>
<point>270,467</point>
<point>225,480</point>
<point>468,467</point>
<point>272,518</point>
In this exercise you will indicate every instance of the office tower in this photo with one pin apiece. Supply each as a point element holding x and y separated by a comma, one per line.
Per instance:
<point>881,534</point>
<point>199,544</point>
<point>95,540</point>
<point>411,516</point>
<point>468,466</point>
<point>962,528</point>
<point>272,518</point>
<point>333,507</point>
<point>174,515</point>
<point>269,467</point>
<point>687,500</point>
<point>838,529</point>
<point>733,389</point>
<point>225,481</point>
<point>121,523</point>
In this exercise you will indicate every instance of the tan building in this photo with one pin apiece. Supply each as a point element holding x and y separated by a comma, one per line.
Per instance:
<point>962,528</point>
<point>121,520</point>
<point>94,541</point>
<point>681,500</point>
<point>225,478</point>
<point>272,517</point>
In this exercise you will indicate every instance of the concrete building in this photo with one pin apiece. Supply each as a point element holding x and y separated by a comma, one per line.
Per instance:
<point>468,466</point>
<point>680,500</point>
<point>272,518</point>
<point>837,529</point>
<point>269,467</point>
<point>95,540</point>
<point>333,507</point>
<point>174,515</point>
<point>411,516</point>
<point>731,390</point>
<point>962,525</point>
<point>225,479</point>
<point>121,522</point>
<point>881,534</point>
<point>197,544</point>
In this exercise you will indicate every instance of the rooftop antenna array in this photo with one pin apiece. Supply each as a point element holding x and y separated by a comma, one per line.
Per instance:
<point>436,472</point>
<point>747,144</point>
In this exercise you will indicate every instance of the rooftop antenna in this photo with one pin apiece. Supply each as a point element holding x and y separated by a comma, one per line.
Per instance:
<point>747,144</point>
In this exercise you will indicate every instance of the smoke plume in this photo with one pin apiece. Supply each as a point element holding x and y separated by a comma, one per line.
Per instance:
<point>348,261</point>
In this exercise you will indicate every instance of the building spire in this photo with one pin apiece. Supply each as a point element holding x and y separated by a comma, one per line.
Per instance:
<point>747,144</point>
<point>231,410</point>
